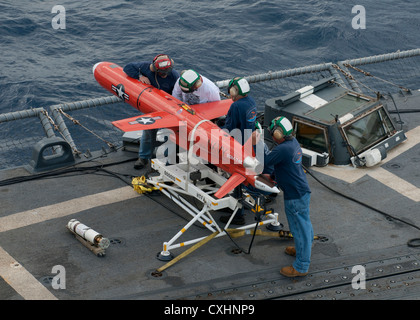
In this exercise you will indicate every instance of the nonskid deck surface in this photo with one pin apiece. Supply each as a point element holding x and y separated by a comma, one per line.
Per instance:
<point>34,238</point>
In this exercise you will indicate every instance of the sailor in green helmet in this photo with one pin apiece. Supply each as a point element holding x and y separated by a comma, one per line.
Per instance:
<point>193,88</point>
<point>286,161</point>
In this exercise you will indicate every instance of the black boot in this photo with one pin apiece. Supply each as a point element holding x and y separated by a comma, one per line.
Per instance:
<point>140,163</point>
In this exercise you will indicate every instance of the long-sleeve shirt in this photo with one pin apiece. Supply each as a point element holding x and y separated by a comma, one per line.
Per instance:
<point>207,92</point>
<point>135,69</point>
<point>242,115</point>
<point>286,159</point>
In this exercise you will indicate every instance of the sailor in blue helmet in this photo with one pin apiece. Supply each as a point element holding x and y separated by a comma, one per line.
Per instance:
<point>286,160</point>
<point>160,74</point>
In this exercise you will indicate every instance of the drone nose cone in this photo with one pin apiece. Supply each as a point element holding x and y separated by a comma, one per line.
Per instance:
<point>94,67</point>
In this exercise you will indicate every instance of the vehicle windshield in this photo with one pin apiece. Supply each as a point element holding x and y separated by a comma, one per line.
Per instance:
<point>369,130</point>
<point>311,137</point>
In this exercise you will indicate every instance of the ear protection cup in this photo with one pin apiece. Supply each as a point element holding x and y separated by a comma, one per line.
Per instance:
<point>278,134</point>
<point>233,91</point>
<point>154,62</point>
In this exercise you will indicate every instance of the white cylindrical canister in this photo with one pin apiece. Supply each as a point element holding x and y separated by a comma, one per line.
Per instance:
<point>87,233</point>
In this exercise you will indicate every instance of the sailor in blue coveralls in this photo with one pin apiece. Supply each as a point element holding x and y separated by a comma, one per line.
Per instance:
<point>286,159</point>
<point>160,74</point>
<point>242,113</point>
<point>240,123</point>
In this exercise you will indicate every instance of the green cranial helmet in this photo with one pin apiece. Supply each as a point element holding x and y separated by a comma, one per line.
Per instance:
<point>241,85</point>
<point>188,80</point>
<point>283,124</point>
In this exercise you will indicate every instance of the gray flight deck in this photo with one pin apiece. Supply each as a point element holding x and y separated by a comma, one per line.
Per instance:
<point>137,225</point>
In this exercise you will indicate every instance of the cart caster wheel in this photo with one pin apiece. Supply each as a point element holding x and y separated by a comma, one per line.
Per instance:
<point>164,256</point>
<point>274,227</point>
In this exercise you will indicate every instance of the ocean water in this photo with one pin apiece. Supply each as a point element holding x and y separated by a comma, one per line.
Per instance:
<point>42,65</point>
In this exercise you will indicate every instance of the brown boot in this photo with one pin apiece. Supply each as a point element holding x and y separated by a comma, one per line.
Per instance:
<point>290,272</point>
<point>291,251</point>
